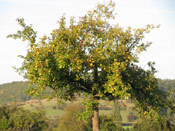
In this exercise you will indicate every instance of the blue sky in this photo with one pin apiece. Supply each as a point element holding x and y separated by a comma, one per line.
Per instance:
<point>44,14</point>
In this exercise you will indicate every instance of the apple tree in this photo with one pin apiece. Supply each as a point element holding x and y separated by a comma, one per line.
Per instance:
<point>93,57</point>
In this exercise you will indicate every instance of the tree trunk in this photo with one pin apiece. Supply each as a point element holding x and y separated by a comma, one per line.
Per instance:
<point>95,120</point>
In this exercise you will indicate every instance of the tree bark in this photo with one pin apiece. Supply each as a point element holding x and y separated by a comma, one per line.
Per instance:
<point>95,120</point>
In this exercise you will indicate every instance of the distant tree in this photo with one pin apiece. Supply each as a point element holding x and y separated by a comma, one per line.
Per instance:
<point>93,57</point>
<point>13,118</point>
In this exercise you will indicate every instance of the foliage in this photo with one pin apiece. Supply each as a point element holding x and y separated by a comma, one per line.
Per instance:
<point>90,104</point>
<point>53,124</point>
<point>153,122</point>
<point>94,57</point>
<point>70,120</point>
<point>90,56</point>
<point>108,123</point>
<point>13,118</point>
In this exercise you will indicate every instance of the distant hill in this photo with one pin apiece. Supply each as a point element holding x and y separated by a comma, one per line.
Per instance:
<point>15,91</point>
<point>168,86</point>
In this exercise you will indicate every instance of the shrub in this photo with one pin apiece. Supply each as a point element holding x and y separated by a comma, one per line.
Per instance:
<point>13,118</point>
<point>153,123</point>
<point>107,123</point>
<point>70,120</point>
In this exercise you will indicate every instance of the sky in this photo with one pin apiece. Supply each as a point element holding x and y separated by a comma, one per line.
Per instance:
<point>44,14</point>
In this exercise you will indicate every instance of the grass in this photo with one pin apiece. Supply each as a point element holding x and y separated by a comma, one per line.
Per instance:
<point>124,115</point>
<point>52,113</point>
<point>51,108</point>
<point>45,105</point>
<point>105,112</point>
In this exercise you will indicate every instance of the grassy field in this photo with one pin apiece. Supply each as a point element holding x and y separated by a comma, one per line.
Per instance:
<point>53,109</point>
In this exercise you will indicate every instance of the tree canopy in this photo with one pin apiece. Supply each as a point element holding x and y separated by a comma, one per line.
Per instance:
<point>91,56</point>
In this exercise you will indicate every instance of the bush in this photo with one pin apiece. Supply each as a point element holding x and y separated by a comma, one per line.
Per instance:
<point>13,118</point>
<point>70,120</point>
<point>153,124</point>
<point>107,123</point>
<point>53,123</point>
